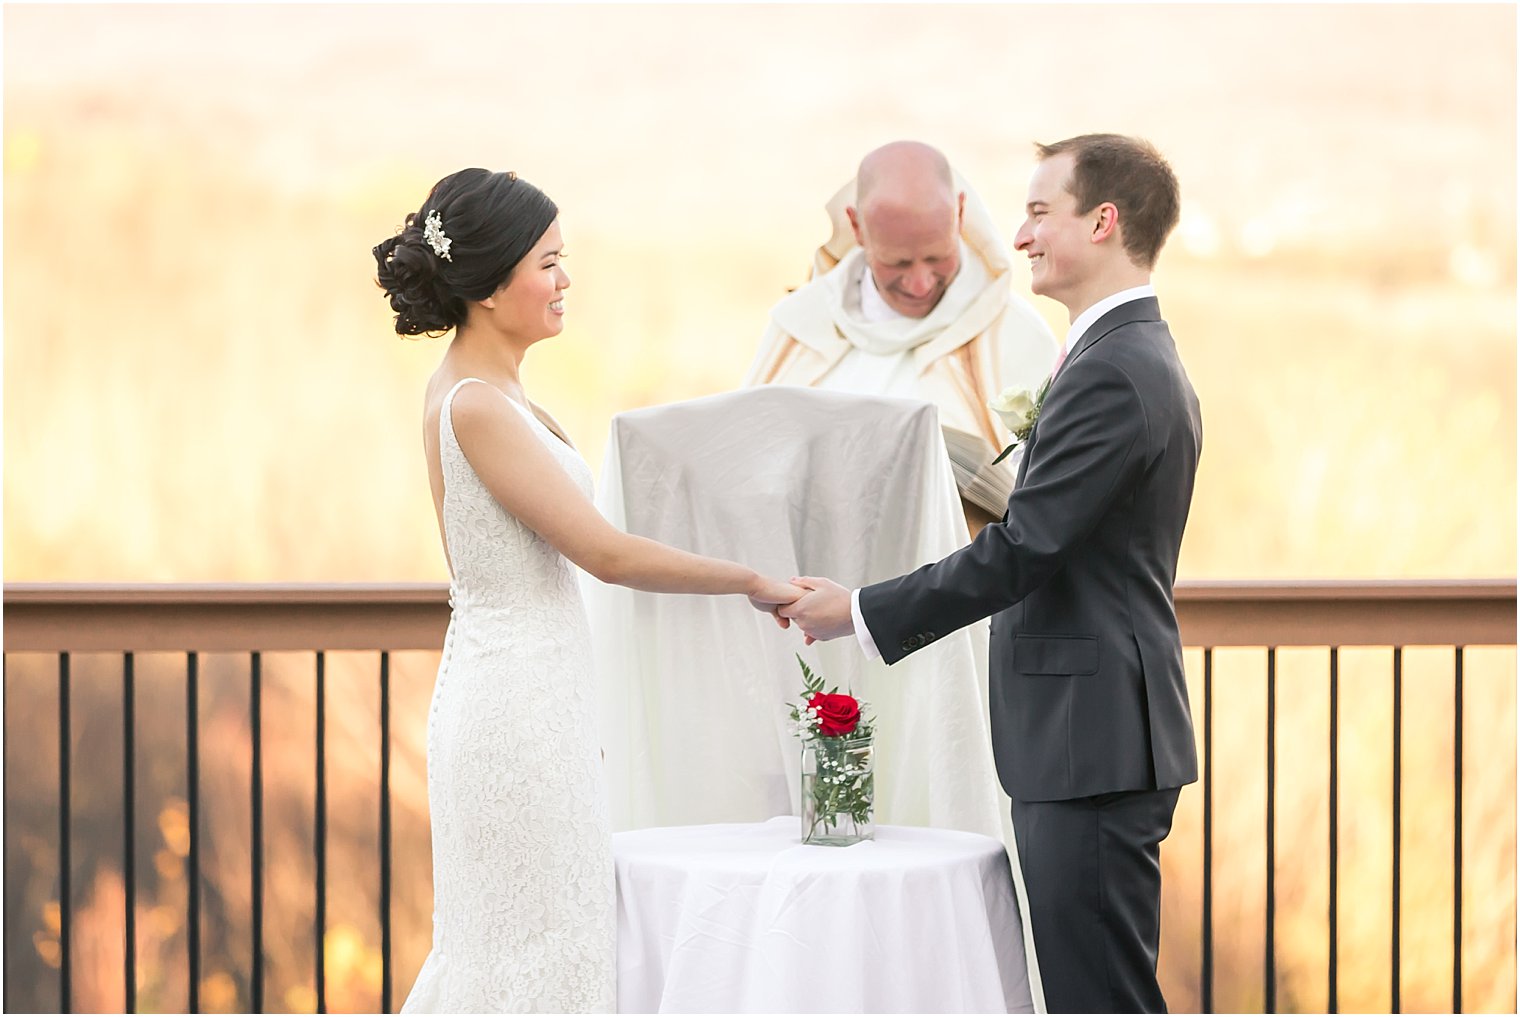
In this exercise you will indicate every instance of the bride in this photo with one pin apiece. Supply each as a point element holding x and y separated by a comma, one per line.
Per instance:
<point>524,899</point>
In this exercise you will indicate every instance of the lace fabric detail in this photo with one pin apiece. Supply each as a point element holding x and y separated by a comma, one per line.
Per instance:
<point>524,914</point>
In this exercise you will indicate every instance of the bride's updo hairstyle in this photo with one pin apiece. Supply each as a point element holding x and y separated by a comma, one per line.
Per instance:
<point>461,245</point>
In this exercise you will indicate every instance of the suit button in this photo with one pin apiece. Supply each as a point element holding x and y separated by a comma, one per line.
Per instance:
<point>907,645</point>
<point>929,637</point>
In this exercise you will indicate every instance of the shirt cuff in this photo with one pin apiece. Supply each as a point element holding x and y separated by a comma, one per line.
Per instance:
<point>867,644</point>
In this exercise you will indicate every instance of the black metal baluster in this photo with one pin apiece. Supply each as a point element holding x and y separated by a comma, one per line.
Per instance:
<point>1206,968</point>
<point>256,825</point>
<point>1398,761</point>
<point>1456,844</point>
<point>385,832</point>
<point>1269,975</point>
<point>1335,803</point>
<point>321,832</point>
<point>65,1004</point>
<point>129,825</point>
<point>5,814</point>
<point>193,787</point>
<point>5,799</point>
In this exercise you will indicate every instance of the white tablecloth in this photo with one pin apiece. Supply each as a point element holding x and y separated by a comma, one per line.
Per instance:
<point>741,917</point>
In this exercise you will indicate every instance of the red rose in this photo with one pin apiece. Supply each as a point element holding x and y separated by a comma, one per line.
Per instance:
<point>837,715</point>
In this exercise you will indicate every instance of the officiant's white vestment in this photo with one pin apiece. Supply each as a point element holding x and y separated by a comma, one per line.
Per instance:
<point>694,690</point>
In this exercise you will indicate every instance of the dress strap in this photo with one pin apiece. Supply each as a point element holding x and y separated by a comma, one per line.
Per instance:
<point>446,417</point>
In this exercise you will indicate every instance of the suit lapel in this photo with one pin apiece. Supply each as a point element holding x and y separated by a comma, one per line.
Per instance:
<point>1127,313</point>
<point>1144,309</point>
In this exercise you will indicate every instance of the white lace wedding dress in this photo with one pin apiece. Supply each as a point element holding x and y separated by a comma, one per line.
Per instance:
<point>524,912</point>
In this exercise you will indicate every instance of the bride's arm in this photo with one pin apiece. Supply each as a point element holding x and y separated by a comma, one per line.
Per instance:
<point>529,483</point>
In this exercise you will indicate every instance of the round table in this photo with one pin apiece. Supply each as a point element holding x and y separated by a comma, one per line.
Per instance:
<point>742,917</point>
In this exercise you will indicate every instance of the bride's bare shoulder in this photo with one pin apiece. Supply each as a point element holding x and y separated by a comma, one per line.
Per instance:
<point>480,416</point>
<point>474,396</point>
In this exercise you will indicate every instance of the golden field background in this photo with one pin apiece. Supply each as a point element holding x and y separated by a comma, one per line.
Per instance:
<point>201,384</point>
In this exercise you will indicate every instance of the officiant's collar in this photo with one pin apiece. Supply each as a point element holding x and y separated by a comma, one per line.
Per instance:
<point>1089,317</point>
<point>873,306</point>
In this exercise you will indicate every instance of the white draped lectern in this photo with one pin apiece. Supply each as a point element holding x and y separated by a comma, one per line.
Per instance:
<point>694,690</point>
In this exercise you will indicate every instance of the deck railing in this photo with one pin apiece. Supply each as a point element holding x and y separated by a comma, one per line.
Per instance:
<point>63,620</point>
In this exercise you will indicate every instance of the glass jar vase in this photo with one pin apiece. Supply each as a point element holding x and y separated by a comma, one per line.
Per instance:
<point>838,790</point>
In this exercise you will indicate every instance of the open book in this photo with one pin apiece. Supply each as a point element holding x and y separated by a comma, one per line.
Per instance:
<point>982,484</point>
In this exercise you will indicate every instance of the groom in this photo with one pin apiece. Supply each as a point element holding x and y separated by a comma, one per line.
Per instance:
<point>1090,721</point>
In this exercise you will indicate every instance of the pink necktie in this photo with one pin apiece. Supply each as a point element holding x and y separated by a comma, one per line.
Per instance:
<point>1060,359</point>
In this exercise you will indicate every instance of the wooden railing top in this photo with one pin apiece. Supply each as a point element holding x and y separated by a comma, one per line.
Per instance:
<point>424,593</point>
<point>211,617</point>
<point>1340,589</point>
<point>253,594</point>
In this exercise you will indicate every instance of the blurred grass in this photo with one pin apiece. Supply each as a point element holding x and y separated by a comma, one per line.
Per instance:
<point>201,382</point>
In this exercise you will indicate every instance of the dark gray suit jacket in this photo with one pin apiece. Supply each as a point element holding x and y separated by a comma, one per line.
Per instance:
<point>1087,689</point>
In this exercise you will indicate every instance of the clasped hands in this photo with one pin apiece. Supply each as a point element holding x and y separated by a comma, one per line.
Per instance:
<point>820,607</point>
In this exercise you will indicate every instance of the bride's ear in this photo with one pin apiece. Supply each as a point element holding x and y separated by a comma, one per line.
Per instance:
<point>489,303</point>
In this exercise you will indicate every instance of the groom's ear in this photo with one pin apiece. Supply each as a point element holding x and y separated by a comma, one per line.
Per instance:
<point>1105,221</point>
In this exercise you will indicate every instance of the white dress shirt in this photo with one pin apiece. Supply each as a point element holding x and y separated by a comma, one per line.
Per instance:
<point>1088,318</point>
<point>1079,327</point>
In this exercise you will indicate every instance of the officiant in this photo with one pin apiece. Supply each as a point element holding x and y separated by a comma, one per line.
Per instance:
<point>912,297</point>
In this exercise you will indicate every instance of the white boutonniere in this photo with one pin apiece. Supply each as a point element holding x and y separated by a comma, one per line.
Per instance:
<point>1019,408</point>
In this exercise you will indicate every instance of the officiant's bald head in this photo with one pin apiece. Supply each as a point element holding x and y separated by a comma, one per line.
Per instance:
<point>907,220</point>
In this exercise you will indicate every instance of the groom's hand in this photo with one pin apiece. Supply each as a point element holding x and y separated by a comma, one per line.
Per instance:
<point>823,612</point>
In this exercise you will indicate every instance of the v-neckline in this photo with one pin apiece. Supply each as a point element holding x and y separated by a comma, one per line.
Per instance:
<point>533,416</point>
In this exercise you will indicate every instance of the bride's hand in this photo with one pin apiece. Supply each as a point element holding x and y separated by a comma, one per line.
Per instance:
<point>769,594</point>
